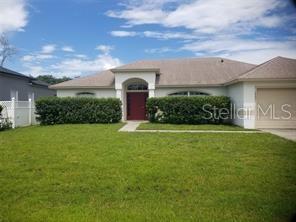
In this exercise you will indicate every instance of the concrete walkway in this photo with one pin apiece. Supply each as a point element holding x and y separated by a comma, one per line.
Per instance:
<point>289,134</point>
<point>196,131</point>
<point>130,126</point>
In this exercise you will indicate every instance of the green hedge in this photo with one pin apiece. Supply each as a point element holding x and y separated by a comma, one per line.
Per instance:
<point>189,110</point>
<point>54,110</point>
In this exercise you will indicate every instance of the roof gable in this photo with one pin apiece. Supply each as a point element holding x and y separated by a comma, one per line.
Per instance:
<point>276,68</point>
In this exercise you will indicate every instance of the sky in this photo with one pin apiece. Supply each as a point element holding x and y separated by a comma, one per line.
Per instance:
<point>80,37</point>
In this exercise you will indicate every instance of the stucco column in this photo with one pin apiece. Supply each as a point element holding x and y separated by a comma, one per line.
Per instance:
<point>151,88</point>
<point>151,93</point>
<point>119,95</point>
<point>249,105</point>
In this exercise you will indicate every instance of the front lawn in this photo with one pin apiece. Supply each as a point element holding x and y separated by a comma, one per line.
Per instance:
<point>167,126</point>
<point>94,173</point>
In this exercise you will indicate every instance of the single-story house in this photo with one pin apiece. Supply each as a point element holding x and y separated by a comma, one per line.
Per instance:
<point>264,96</point>
<point>21,87</point>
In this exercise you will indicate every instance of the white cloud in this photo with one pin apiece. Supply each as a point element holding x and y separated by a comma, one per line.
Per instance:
<point>36,57</point>
<point>105,49</point>
<point>138,16</point>
<point>169,35</point>
<point>159,50</point>
<point>248,50</point>
<point>34,70</point>
<point>28,58</point>
<point>13,15</point>
<point>210,16</point>
<point>45,53</point>
<point>78,65</point>
<point>203,16</point>
<point>260,56</point>
<point>156,35</point>
<point>73,67</point>
<point>123,33</point>
<point>47,49</point>
<point>229,28</point>
<point>68,49</point>
<point>82,56</point>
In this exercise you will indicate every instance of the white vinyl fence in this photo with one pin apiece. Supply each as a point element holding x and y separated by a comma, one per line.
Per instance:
<point>20,113</point>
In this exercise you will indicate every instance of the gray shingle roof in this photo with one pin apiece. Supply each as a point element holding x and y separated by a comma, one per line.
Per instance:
<point>173,72</point>
<point>10,72</point>
<point>276,68</point>
<point>103,79</point>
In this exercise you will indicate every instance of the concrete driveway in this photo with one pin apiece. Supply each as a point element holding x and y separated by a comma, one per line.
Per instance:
<point>289,134</point>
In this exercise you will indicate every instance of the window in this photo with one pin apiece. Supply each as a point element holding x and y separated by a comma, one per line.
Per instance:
<point>85,94</point>
<point>137,86</point>
<point>194,93</point>
<point>189,93</point>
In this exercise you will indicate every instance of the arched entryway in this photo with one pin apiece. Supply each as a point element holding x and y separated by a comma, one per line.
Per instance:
<point>136,94</point>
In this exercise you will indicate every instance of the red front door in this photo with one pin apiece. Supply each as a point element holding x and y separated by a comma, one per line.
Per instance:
<point>136,105</point>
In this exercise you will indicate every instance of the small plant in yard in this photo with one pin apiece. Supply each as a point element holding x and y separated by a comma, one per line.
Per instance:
<point>4,122</point>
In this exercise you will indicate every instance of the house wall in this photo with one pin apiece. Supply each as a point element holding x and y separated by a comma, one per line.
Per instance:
<point>148,78</point>
<point>243,96</point>
<point>99,93</point>
<point>236,94</point>
<point>24,88</point>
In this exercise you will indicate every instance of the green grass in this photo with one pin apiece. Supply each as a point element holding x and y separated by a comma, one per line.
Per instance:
<point>94,173</point>
<point>166,126</point>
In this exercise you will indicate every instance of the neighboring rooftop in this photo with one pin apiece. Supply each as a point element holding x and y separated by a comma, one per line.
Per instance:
<point>10,72</point>
<point>172,72</point>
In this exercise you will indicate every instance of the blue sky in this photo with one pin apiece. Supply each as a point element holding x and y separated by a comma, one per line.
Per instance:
<point>80,37</point>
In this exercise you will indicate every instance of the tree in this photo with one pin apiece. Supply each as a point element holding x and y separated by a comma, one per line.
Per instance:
<point>51,79</point>
<point>6,50</point>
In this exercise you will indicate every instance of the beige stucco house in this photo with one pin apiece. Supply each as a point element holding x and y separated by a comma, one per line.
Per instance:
<point>263,96</point>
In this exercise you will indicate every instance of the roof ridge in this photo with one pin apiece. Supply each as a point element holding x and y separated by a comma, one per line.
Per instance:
<point>182,59</point>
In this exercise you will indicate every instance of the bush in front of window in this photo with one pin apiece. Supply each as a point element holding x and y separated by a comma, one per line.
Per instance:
<point>54,110</point>
<point>189,110</point>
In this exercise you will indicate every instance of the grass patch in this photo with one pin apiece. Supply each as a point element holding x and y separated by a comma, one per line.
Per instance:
<point>95,173</point>
<point>166,126</point>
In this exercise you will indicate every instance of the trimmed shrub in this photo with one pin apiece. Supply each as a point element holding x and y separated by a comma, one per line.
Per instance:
<point>54,110</point>
<point>189,110</point>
